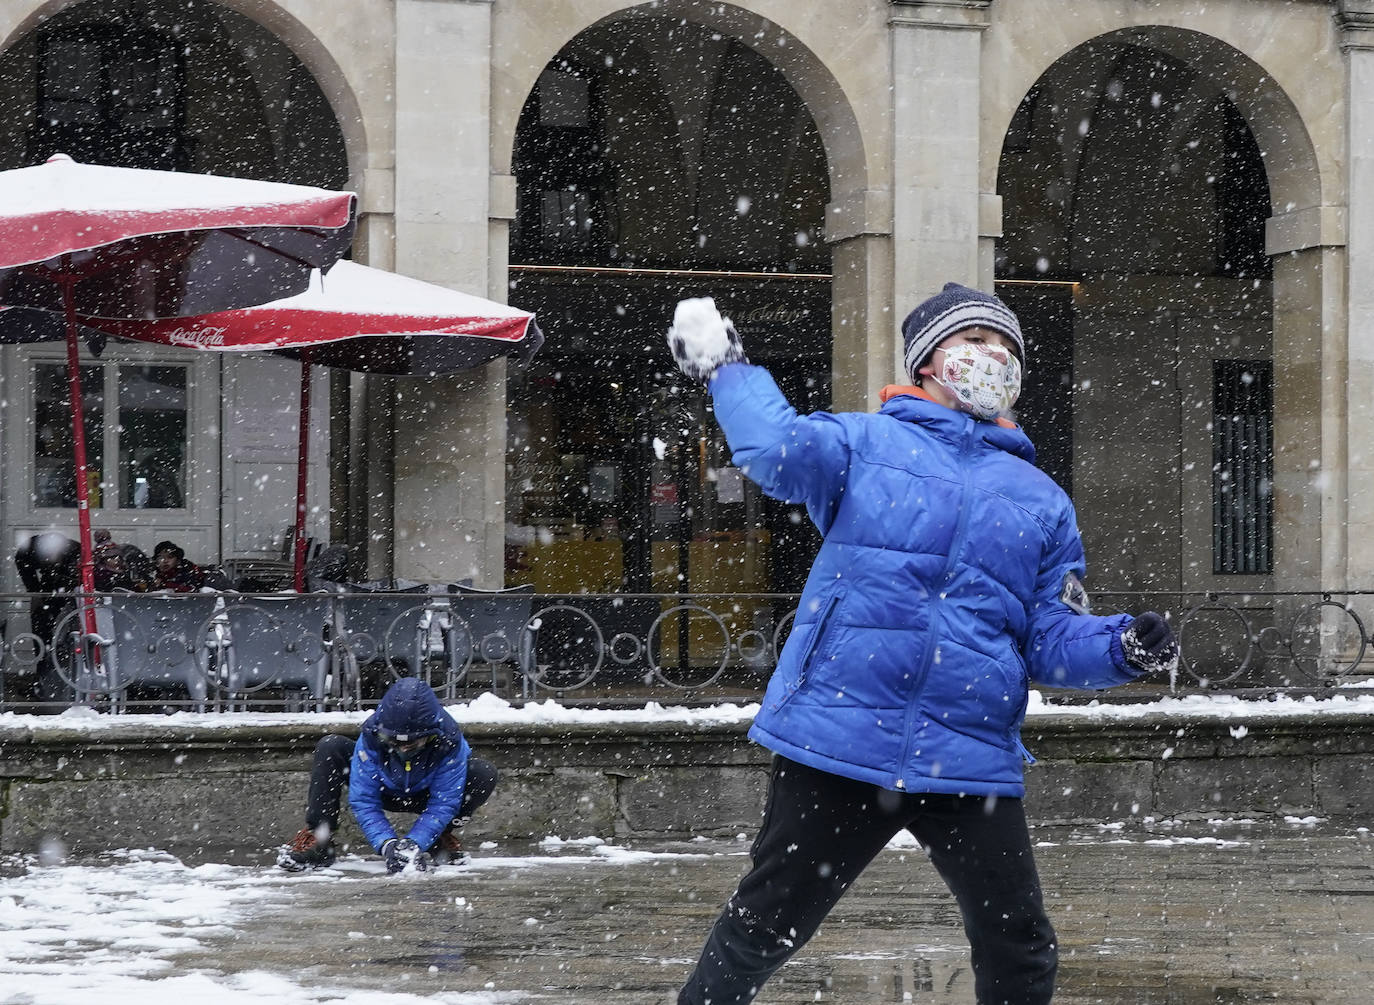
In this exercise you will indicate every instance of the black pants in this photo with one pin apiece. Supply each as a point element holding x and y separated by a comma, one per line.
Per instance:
<point>819,831</point>
<point>329,774</point>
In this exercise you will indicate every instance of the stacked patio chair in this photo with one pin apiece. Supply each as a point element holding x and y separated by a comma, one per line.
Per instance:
<point>385,626</point>
<point>281,642</point>
<point>491,627</point>
<point>155,641</point>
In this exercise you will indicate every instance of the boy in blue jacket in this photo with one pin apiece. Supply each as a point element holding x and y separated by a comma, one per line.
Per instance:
<point>411,757</point>
<point>949,577</point>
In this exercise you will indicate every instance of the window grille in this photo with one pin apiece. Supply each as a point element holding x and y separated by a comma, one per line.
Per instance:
<point>1242,467</point>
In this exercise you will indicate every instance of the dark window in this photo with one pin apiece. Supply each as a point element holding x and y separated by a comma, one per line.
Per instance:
<point>564,210</point>
<point>110,95</point>
<point>1242,189</point>
<point>1242,467</point>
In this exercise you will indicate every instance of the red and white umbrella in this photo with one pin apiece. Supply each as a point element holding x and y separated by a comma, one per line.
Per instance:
<point>128,243</point>
<point>354,318</point>
<point>142,244</point>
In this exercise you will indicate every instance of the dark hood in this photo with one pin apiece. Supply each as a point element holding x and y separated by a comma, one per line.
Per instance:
<point>410,707</point>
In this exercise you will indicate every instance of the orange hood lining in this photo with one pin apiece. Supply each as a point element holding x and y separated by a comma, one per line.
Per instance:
<point>897,390</point>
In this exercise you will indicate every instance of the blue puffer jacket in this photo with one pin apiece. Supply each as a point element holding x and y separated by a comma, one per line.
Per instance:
<point>440,769</point>
<point>936,594</point>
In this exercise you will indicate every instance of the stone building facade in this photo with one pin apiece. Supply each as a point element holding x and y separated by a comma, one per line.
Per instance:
<point>1174,194</point>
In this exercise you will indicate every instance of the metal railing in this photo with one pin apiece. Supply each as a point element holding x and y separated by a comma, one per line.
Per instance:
<point>342,649</point>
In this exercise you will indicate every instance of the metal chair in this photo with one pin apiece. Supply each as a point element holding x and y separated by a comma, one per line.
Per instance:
<point>154,640</point>
<point>383,626</point>
<point>493,627</point>
<point>279,641</point>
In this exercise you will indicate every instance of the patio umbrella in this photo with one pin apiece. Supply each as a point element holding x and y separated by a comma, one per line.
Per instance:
<point>355,318</point>
<point>121,242</point>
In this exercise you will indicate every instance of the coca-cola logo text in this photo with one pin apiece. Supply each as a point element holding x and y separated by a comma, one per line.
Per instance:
<point>196,337</point>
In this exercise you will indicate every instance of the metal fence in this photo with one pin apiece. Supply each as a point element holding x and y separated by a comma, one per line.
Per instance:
<point>337,649</point>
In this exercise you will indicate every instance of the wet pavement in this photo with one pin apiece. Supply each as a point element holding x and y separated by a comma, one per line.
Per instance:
<point>1165,916</point>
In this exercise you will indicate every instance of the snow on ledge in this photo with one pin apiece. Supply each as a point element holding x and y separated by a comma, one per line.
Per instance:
<point>488,708</point>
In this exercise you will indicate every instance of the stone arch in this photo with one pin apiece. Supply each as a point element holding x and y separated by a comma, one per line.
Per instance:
<point>1292,120</point>
<point>304,43</point>
<point>328,74</point>
<point>800,66</point>
<point>1298,176</point>
<point>858,220</point>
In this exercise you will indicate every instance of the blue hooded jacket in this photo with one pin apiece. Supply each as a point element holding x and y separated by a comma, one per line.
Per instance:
<point>938,592</point>
<point>439,769</point>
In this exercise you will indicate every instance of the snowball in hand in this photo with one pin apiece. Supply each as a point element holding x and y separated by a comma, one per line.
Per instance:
<point>701,340</point>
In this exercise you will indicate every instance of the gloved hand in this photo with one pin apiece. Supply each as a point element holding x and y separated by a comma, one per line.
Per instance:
<point>702,341</point>
<point>1149,644</point>
<point>402,852</point>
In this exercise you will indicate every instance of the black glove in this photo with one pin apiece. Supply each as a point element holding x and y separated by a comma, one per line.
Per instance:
<point>702,341</point>
<point>1149,644</point>
<point>401,852</point>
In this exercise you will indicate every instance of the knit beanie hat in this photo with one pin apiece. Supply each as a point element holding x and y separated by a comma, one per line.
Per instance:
<point>952,310</point>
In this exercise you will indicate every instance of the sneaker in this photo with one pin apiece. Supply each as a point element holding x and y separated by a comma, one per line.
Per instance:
<point>448,850</point>
<point>306,851</point>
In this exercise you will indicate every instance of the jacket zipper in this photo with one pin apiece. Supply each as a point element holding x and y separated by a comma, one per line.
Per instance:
<point>928,657</point>
<point>1020,717</point>
<point>817,639</point>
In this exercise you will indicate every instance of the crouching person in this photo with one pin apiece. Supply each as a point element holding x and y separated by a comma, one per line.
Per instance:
<point>411,757</point>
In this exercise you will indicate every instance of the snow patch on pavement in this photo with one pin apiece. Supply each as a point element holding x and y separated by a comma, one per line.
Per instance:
<point>111,933</point>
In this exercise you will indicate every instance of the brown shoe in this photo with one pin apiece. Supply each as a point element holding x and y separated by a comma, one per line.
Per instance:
<point>448,850</point>
<point>306,851</point>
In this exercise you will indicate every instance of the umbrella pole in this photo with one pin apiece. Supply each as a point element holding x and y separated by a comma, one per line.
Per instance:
<point>302,462</point>
<point>83,505</point>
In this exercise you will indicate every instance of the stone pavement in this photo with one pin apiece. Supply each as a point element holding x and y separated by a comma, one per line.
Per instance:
<point>1165,916</point>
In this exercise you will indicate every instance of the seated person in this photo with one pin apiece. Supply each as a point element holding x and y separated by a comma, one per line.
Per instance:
<point>172,571</point>
<point>411,757</point>
<point>119,566</point>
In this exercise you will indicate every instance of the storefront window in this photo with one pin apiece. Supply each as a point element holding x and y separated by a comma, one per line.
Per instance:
<point>152,437</point>
<point>145,406</point>
<point>54,467</point>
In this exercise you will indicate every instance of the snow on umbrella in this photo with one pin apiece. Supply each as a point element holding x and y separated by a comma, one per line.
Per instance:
<point>124,242</point>
<point>355,318</point>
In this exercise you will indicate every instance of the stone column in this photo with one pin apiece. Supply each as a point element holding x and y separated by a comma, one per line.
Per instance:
<point>936,46</point>
<point>450,444</point>
<point>858,228</point>
<point>1356,20</point>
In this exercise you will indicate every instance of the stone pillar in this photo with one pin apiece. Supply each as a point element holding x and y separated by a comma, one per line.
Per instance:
<point>450,444</point>
<point>858,228</point>
<point>936,46</point>
<point>1356,20</point>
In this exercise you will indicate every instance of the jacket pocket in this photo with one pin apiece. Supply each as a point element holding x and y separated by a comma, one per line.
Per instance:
<point>817,641</point>
<point>812,648</point>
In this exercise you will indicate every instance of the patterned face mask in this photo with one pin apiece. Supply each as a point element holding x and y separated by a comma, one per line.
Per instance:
<point>985,380</point>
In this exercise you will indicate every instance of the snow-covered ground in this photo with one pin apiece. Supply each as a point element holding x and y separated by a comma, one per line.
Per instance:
<point>112,931</point>
<point>142,928</point>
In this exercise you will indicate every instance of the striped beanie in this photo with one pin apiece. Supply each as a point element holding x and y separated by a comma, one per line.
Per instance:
<point>952,310</point>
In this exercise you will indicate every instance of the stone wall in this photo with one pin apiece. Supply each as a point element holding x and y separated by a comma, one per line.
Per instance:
<point>222,789</point>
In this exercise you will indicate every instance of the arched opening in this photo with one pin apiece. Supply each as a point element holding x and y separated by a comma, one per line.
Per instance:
<point>658,159</point>
<point>187,86</point>
<point>1135,198</point>
<point>186,447</point>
